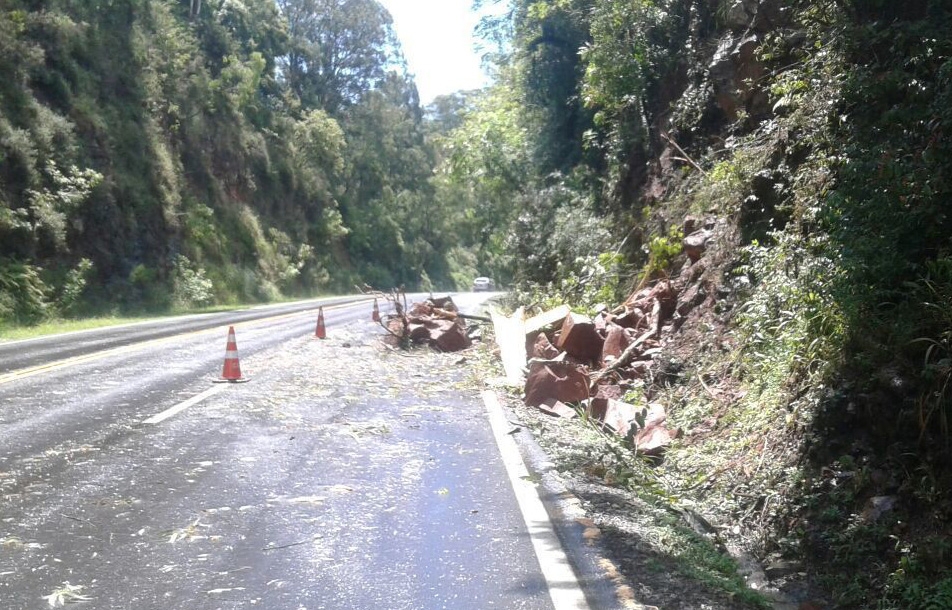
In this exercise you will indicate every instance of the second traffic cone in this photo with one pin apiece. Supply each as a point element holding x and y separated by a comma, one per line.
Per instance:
<point>320,332</point>
<point>376,314</point>
<point>231,371</point>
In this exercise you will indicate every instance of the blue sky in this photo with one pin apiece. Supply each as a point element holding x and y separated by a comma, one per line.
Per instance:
<point>437,40</point>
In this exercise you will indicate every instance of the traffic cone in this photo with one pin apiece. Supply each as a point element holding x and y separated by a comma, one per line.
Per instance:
<point>320,332</point>
<point>376,314</point>
<point>231,371</point>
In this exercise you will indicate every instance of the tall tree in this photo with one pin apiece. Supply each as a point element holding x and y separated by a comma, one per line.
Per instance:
<point>340,49</point>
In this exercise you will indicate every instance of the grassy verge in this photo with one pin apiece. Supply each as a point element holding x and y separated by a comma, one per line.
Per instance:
<point>10,331</point>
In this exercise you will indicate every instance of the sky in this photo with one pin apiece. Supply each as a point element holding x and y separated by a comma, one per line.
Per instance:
<point>437,40</point>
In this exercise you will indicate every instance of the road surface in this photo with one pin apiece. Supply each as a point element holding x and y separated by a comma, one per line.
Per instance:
<point>342,475</point>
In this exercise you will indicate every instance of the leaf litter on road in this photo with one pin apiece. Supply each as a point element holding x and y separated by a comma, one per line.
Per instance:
<point>66,594</point>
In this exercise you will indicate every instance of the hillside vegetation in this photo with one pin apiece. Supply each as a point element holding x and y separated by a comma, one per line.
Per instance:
<point>158,154</point>
<point>814,378</point>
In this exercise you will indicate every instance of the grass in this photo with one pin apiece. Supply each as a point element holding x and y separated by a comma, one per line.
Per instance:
<point>11,332</point>
<point>14,332</point>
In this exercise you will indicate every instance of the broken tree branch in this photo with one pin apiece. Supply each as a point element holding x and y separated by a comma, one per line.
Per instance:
<point>685,155</point>
<point>624,360</point>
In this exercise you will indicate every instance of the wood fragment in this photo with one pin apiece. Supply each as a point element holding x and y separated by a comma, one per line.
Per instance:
<point>687,157</point>
<point>511,338</point>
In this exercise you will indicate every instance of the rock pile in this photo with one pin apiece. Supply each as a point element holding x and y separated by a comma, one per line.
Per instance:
<point>568,358</point>
<point>436,322</point>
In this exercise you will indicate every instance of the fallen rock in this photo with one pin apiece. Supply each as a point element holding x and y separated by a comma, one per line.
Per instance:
<point>445,303</point>
<point>448,335</point>
<point>420,309</point>
<point>543,349</point>
<point>557,408</point>
<point>559,380</point>
<point>578,338</point>
<point>418,332</point>
<point>616,340</point>
<point>695,244</point>
<point>653,440</point>
<point>617,415</point>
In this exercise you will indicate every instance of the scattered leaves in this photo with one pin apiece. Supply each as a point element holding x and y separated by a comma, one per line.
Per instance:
<point>66,594</point>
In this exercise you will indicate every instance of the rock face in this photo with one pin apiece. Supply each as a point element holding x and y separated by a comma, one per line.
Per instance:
<point>695,244</point>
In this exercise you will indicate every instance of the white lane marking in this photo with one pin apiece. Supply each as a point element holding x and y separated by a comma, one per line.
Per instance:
<point>125,349</point>
<point>564,588</point>
<point>194,400</point>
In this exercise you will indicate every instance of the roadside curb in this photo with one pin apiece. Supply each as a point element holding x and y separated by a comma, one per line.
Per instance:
<point>603,585</point>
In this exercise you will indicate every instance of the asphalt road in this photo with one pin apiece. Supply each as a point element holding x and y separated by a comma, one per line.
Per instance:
<point>20,355</point>
<point>340,476</point>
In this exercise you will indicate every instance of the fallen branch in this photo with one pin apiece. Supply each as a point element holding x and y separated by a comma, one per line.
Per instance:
<point>624,360</point>
<point>287,546</point>
<point>685,155</point>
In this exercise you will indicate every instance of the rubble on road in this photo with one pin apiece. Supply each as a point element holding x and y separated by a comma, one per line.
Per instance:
<point>565,359</point>
<point>436,322</point>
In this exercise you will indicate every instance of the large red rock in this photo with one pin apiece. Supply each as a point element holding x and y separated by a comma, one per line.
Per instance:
<point>654,439</point>
<point>543,349</point>
<point>563,381</point>
<point>654,436</point>
<point>447,335</point>
<point>617,415</point>
<point>616,340</point>
<point>578,338</point>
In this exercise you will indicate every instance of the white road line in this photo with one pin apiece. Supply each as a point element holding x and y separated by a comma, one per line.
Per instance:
<point>563,585</point>
<point>194,400</point>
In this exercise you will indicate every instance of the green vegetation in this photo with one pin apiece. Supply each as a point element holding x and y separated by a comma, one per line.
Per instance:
<point>152,157</point>
<point>817,131</point>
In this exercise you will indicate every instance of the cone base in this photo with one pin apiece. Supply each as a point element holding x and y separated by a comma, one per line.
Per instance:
<point>239,380</point>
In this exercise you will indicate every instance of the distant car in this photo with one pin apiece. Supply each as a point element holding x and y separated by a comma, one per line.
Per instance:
<point>483,284</point>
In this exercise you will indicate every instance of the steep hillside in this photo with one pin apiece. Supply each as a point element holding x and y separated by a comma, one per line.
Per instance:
<point>814,373</point>
<point>168,153</point>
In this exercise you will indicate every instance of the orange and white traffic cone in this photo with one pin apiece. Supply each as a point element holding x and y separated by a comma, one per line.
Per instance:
<point>320,332</point>
<point>376,314</point>
<point>231,371</point>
